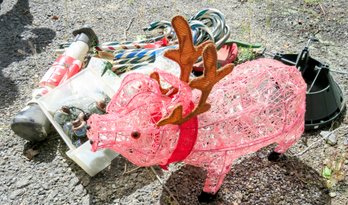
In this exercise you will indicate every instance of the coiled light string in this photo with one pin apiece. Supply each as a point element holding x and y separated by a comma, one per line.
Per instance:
<point>207,24</point>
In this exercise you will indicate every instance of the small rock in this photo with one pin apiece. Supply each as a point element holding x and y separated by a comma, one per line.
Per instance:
<point>31,153</point>
<point>325,134</point>
<point>74,182</point>
<point>22,183</point>
<point>97,187</point>
<point>261,155</point>
<point>55,17</point>
<point>45,186</point>
<point>238,195</point>
<point>332,194</point>
<point>79,189</point>
<point>330,137</point>
<point>16,193</point>
<point>85,180</point>
<point>41,192</point>
<point>345,141</point>
<point>332,140</point>
<point>52,195</point>
<point>2,162</point>
<point>86,200</point>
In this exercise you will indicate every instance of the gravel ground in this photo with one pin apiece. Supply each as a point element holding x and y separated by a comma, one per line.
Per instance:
<point>31,31</point>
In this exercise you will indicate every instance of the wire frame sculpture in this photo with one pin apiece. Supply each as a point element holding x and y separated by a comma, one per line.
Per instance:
<point>208,121</point>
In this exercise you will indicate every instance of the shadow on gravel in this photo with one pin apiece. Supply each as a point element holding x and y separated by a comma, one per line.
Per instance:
<point>253,181</point>
<point>113,182</point>
<point>17,41</point>
<point>46,149</point>
<point>185,184</point>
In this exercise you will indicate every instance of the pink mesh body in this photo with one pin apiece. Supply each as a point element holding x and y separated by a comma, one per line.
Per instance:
<point>261,102</point>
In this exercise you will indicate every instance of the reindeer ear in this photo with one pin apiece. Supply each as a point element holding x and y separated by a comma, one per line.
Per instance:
<point>172,55</point>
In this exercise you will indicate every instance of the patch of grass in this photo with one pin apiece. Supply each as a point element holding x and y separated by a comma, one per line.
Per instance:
<point>268,21</point>
<point>333,171</point>
<point>168,200</point>
<point>269,9</point>
<point>246,27</point>
<point>245,54</point>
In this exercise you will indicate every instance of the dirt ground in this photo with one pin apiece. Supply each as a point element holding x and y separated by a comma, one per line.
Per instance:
<point>30,31</point>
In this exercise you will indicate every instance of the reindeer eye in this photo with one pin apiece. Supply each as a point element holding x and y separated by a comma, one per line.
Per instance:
<point>135,134</point>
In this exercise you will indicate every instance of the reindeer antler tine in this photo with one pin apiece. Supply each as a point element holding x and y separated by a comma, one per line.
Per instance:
<point>186,55</point>
<point>154,75</point>
<point>184,34</point>
<point>174,118</point>
<point>210,73</point>
<point>222,72</point>
<point>201,46</point>
<point>210,60</point>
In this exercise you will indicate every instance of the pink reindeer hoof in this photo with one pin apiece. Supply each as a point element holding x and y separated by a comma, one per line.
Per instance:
<point>207,197</point>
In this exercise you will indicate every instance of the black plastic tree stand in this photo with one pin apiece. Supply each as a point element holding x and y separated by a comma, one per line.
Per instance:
<point>324,99</point>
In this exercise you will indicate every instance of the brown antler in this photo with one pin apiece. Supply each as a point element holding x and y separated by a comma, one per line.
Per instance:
<point>187,54</point>
<point>156,77</point>
<point>164,91</point>
<point>204,83</point>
